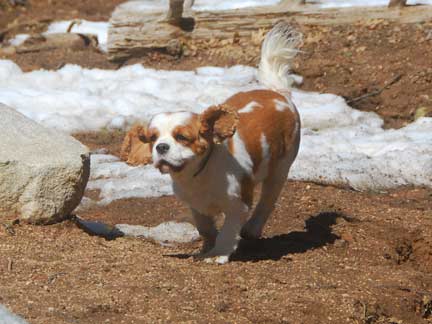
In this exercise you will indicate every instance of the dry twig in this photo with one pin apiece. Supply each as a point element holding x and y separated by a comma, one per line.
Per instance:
<point>377,92</point>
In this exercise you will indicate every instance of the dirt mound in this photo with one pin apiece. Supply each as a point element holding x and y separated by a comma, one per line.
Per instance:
<point>416,249</point>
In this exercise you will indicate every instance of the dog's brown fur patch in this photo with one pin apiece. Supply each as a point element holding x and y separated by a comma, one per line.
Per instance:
<point>277,126</point>
<point>133,150</point>
<point>191,132</point>
<point>219,122</point>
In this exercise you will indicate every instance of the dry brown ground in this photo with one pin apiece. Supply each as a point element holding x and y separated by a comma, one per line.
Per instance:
<point>330,255</point>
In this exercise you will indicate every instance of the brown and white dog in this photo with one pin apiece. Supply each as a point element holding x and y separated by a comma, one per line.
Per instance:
<point>216,158</point>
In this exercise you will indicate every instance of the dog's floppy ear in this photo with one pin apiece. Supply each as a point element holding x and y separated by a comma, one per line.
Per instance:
<point>219,122</point>
<point>141,132</point>
<point>133,150</point>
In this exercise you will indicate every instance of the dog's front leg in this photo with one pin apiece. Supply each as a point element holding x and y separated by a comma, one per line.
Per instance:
<point>229,235</point>
<point>207,229</point>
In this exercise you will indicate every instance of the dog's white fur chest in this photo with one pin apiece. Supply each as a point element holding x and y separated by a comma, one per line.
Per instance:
<point>219,183</point>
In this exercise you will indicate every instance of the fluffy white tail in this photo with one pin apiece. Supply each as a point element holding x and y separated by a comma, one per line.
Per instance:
<point>278,49</point>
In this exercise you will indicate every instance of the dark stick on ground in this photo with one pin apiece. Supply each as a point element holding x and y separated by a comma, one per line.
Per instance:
<point>376,92</point>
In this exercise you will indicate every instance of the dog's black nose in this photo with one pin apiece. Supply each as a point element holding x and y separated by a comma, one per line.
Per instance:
<point>162,148</point>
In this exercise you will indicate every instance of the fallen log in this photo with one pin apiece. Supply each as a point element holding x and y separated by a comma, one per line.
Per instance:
<point>133,32</point>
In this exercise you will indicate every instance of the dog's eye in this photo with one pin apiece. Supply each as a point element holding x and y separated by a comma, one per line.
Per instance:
<point>181,138</point>
<point>153,138</point>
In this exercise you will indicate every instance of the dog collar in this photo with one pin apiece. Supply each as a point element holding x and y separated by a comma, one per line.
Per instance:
<point>205,161</point>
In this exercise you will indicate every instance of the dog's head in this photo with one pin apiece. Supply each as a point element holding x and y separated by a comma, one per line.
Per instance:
<point>181,139</point>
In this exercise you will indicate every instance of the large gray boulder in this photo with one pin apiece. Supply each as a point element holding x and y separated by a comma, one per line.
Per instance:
<point>7,317</point>
<point>43,173</point>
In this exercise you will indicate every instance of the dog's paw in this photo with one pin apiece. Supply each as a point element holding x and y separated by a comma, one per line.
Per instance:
<point>222,259</point>
<point>211,258</point>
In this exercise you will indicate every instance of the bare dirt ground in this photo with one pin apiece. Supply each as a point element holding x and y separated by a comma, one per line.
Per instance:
<point>330,255</point>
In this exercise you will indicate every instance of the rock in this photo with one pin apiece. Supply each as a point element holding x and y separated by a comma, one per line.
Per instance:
<point>96,228</point>
<point>7,317</point>
<point>49,42</point>
<point>43,173</point>
<point>164,233</point>
<point>169,232</point>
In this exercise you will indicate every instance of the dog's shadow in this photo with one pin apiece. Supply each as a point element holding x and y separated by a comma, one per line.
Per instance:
<point>317,233</point>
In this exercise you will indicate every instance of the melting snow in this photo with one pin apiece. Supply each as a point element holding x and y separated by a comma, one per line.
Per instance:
<point>164,233</point>
<point>340,145</point>
<point>361,3</point>
<point>199,5</point>
<point>202,5</point>
<point>74,99</point>
<point>18,39</point>
<point>168,232</point>
<point>117,180</point>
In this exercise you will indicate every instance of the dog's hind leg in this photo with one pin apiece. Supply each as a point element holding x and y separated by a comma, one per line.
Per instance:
<point>206,228</point>
<point>271,189</point>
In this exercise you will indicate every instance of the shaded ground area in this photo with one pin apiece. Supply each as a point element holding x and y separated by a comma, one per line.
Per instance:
<point>329,255</point>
